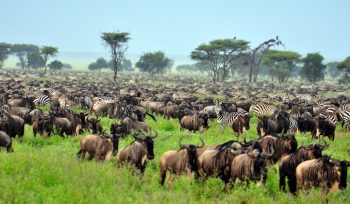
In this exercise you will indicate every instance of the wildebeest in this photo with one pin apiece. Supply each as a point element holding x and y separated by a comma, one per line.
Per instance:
<point>217,162</point>
<point>324,126</point>
<point>268,126</point>
<point>11,124</point>
<point>279,147</point>
<point>43,125</point>
<point>6,141</point>
<point>290,163</point>
<point>127,125</point>
<point>178,162</point>
<point>93,125</point>
<point>100,147</point>
<point>325,172</point>
<point>250,166</point>
<point>139,151</point>
<point>195,122</point>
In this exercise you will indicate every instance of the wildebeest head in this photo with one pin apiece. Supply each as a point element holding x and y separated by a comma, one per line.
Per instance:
<point>289,143</point>
<point>147,140</point>
<point>191,152</point>
<point>260,161</point>
<point>315,150</point>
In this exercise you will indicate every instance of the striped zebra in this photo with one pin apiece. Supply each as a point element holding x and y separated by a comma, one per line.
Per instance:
<point>293,122</point>
<point>228,118</point>
<point>42,100</point>
<point>263,109</point>
<point>345,117</point>
<point>104,98</point>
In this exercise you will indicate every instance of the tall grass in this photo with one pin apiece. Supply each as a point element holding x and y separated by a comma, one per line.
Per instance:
<point>46,170</point>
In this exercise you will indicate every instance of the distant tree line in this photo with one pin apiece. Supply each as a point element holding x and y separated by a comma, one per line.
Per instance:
<point>32,56</point>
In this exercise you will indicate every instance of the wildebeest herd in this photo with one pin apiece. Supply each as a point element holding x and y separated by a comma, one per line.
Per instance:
<point>282,112</point>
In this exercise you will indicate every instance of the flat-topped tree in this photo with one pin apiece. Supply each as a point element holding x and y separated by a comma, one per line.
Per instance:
<point>45,53</point>
<point>218,56</point>
<point>117,43</point>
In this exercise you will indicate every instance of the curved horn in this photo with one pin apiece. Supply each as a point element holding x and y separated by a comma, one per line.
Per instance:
<point>236,152</point>
<point>325,145</point>
<point>202,145</point>
<point>155,135</point>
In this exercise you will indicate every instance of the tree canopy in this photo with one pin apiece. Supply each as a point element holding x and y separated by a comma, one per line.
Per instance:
<point>219,55</point>
<point>117,43</point>
<point>154,63</point>
<point>22,51</point>
<point>313,69</point>
<point>55,65</point>
<point>4,52</point>
<point>281,63</point>
<point>344,65</point>
<point>45,53</point>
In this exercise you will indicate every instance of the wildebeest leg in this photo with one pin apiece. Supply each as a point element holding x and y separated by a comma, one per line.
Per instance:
<point>282,180</point>
<point>90,157</point>
<point>233,180</point>
<point>292,184</point>
<point>162,176</point>
<point>171,178</point>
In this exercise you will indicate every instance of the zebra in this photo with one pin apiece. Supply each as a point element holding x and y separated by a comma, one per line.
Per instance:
<point>227,118</point>
<point>345,117</point>
<point>42,100</point>
<point>104,98</point>
<point>262,109</point>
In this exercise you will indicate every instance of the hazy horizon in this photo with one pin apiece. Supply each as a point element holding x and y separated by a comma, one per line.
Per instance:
<point>176,28</point>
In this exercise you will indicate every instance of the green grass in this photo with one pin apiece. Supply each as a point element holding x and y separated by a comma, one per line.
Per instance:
<point>46,170</point>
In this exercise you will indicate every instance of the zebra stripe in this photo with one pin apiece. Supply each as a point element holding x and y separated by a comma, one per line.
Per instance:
<point>104,98</point>
<point>42,100</point>
<point>226,118</point>
<point>264,109</point>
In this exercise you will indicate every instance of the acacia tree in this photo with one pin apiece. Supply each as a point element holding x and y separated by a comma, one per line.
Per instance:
<point>4,52</point>
<point>218,55</point>
<point>255,55</point>
<point>116,41</point>
<point>345,66</point>
<point>98,65</point>
<point>22,51</point>
<point>281,63</point>
<point>154,63</point>
<point>45,53</point>
<point>313,69</point>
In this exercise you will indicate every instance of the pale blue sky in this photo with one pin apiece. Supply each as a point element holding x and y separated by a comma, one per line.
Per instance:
<point>178,27</point>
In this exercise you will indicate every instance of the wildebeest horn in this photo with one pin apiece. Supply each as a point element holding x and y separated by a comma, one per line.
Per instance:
<point>325,145</point>
<point>202,145</point>
<point>236,152</point>
<point>155,135</point>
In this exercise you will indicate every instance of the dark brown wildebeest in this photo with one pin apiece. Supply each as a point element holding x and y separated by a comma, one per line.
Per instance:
<point>138,152</point>
<point>6,141</point>
<point>93,125</point>
<point>290,163</point>
<point>178,162</point>
<point>33,115</point>
<point>11,124</point>
<point>128,125</point>
<point>250,166</point>
<point>43,125</point>
<point>239,125</point>
<point>279,147</point>
<point>325,126</point>
<point>325,172</point>
<point>100,147</point>
<point>217,162</point>
<point>268,126</point>
<point>195,122</point>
